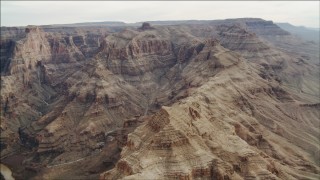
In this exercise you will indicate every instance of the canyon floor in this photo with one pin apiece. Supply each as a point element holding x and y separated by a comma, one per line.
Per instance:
<point>220,99</point>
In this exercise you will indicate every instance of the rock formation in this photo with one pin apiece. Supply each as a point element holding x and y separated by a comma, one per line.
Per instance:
<point>145,26</point>
<point>212,100</point>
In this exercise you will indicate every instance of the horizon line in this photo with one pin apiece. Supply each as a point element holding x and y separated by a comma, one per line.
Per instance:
<point>130,23</point>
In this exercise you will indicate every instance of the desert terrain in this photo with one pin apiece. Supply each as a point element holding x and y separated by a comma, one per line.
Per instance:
<point>220,99</point>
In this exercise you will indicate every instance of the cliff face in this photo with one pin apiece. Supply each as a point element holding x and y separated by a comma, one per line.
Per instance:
<point>237,38</point>
<point>267,50</point>
<point>129,53</point>
<point>212,100</point>
<point>6,54</point>
<point>262,27</point>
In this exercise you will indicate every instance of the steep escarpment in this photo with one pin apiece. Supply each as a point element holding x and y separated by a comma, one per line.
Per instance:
<point>262,48</point>
<point>31,86</point>
<point>24,91</point>
<point>236,37</point>
<point>7,46</point>
<point>98,105</point>
<point>134,54</point>
<point>263,27</point>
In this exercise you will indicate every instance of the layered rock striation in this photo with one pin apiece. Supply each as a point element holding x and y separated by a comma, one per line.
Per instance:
<point>211,100</point>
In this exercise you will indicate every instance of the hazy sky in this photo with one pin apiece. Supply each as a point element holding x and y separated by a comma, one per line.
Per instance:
<point>21,13</point>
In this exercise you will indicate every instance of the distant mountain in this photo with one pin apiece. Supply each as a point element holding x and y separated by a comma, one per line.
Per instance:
<point>309,34</point>
<point>104,23</point>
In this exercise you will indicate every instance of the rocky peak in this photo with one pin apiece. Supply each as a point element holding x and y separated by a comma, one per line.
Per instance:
<point>212,42</point>
<point>234,30</point>
<point>146,26</point>
<point>32,29</point>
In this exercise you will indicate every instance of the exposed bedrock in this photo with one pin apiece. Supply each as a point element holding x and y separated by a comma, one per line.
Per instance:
<point>210,100</point>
